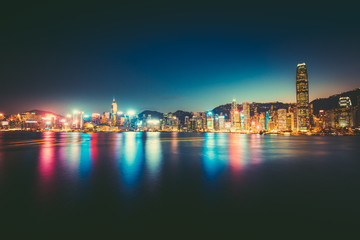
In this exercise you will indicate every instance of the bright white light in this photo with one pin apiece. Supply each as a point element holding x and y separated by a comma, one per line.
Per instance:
<point>48,122</point>
<point>68,115</point>
<point>119,113</point>
<point>153,121</point>
<point>75,111</point>
<point>63,120</point>
<point>131,113</point>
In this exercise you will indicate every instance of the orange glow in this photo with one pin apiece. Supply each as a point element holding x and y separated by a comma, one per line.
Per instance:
<point>88,125</point>
<point>235,154</point>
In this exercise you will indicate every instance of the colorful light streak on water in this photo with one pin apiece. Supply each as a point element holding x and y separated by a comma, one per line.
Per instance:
<point>131,163</point>
<point>235,154</point>
<point>94,148</point>
<point>153,156</point>
<point>255,149</point>
<point>108,178</point>
<point>85,155</point>
<point>214,154</point>
<point>46,163</point>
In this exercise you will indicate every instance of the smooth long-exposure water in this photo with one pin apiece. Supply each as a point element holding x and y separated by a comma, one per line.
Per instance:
<point>212,184</point>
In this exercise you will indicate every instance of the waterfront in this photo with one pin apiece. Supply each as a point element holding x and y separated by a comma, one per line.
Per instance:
<point>211,183</point>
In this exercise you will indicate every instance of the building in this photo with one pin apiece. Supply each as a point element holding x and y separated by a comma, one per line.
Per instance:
<point>282,126</point>
<point>210,121</point>
<point>344,112</point>
<point>95,118</point>
<point>221,122</point>
<point>246,113</point>
<point>113,113</point>
<point>302,97</point>
<point>262,122</point>
<point>290,123</point>
<point>78,119</point>
<point>235,116</point>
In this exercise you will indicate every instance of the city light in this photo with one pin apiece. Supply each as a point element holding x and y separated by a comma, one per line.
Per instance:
<point>259,118</point>
<point>131,113</point>
<point>153,121</point>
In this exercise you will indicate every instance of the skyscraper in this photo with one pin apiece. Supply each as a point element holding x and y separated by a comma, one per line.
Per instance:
<point>282,120</point>
<point>344,112</point>
<point>302,97</point>
<point>235,116</point>
<point>246,112</point>
<point>113,113</point>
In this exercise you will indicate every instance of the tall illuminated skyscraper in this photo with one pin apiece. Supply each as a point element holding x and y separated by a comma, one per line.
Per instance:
<point>246,112</point>
<point>113,113</point>
<point>282,120</point>
<point>235,116</point>
<point>302,97</point>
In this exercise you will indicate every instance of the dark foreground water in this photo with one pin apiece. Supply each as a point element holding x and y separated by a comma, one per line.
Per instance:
<point>179,184</point>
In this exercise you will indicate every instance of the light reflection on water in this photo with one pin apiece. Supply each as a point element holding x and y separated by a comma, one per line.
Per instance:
<point>135,179</point>
<point>130,164</point>
<point>153,154</point>
<point>46,163</point>
<point>137,159</point>
<point>215,155</point>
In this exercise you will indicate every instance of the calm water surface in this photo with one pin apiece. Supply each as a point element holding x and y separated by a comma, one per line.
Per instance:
<point>174,183</point>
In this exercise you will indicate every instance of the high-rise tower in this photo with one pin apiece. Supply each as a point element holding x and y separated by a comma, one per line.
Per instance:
<point>302,97</point>
<point>246,112</point>
<point>113,113</point>
<point>235,116</point>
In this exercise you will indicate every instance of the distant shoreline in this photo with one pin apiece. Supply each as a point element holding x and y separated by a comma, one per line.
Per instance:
<point>250,133</point>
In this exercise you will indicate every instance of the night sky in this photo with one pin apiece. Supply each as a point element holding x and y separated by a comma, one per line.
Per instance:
<point>170,55</point>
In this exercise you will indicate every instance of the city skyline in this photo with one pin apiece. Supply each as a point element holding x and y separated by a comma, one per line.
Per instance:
<point>166,118</point>
<point>89,110</point>
<point>301,75</point>
<point>164,55</point>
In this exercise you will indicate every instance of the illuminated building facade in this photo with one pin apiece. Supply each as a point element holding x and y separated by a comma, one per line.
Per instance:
<point>290,123</point>
<point>344,112</point>
<point>262,122</point>
<point>246,113</point>
<point>78,120</point>
<point>210,121</point>
<point>302,97</point>
<point>221,122</point>
<point>282,120</point>
<point>267,119</point>
<point>113,113</point>
<point>235,116</point>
